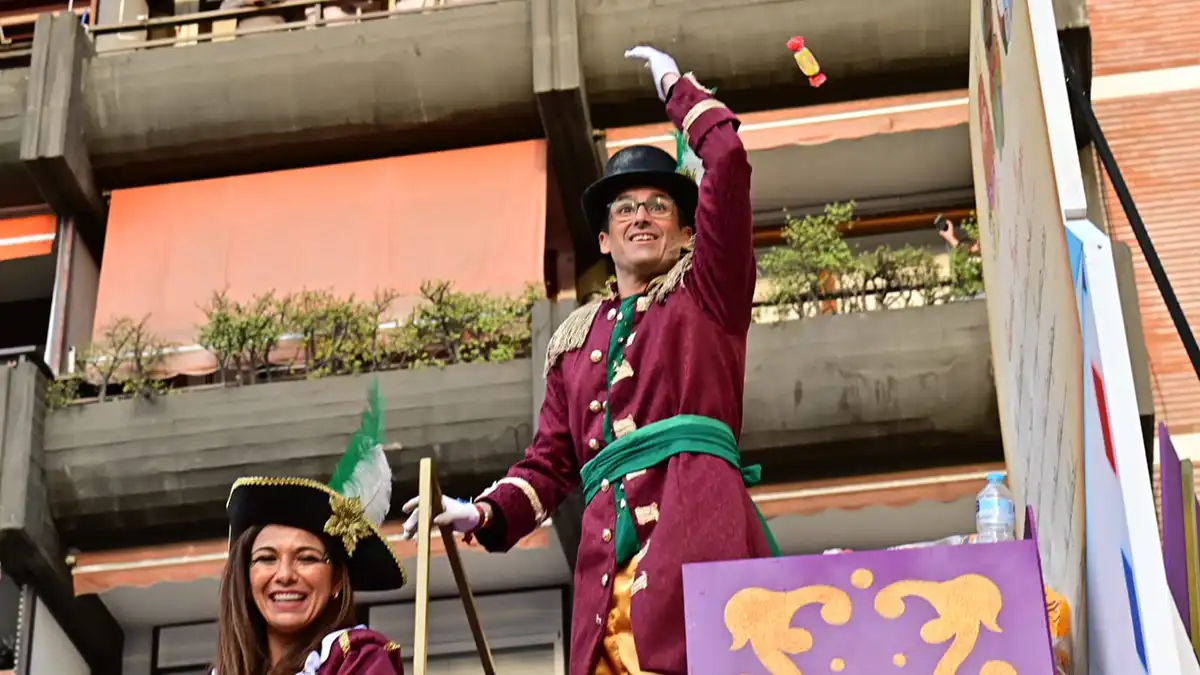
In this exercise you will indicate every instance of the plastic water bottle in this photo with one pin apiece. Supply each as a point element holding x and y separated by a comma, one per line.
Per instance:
<point>995,519</point>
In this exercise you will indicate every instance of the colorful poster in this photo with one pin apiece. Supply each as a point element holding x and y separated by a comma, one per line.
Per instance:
<point>951,610</point>
<point>1027,183</point>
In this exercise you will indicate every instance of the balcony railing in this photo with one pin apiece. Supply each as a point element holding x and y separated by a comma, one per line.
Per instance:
<point>224,22</point>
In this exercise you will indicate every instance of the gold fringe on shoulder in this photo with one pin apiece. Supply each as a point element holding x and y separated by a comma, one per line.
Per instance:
<point>573,332</point>
<point>672,281</point>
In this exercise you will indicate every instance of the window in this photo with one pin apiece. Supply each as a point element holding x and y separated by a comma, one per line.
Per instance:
<point>524,631</point>
<point>185,649</point>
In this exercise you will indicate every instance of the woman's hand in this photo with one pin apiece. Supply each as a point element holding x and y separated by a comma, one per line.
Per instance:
<point>662,67</point>
<point>462,517</point>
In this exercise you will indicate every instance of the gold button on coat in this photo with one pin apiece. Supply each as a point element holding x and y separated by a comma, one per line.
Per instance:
<point>606,535</point>
<point>604,485</point>
<point>611,314</point>
<point>596,356</point>
<point>594,406</point>
<point>593,443</point>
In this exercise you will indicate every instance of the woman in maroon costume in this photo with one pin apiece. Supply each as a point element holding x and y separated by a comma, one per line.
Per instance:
<point>299,549</point>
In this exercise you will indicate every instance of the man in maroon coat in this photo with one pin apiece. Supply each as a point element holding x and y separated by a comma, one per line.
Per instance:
<point>644,396</point>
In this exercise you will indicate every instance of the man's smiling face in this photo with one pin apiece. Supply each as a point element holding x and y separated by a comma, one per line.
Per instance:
<point>644,236</point>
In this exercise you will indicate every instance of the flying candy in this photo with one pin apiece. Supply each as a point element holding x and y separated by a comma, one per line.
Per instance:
<point>807,62</point>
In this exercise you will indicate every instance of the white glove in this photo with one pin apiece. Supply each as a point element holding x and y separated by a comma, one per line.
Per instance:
<point>660,64</point>
<point>462,517</point>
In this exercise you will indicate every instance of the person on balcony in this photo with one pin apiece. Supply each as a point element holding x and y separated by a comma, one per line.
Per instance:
<point>644,396</point>
<point>298,551</point>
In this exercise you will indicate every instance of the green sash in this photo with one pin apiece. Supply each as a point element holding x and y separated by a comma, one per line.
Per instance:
<point>651,446</point>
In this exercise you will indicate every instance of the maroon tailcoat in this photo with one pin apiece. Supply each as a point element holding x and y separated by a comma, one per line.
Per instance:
<point>687,355</point>
<point>362,651</point>
<point>353,651</point>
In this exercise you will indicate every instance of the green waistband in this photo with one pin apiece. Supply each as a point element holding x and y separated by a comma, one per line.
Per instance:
<point>651,446</point>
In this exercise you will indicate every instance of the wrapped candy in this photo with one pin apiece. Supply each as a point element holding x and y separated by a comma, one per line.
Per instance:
<point>1058,610</point>
<point>807,62</point>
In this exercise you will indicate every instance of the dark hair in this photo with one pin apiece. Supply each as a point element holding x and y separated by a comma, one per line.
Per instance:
<point>242,630</point>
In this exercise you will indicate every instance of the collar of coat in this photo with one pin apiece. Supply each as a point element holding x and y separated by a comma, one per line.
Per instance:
<point>318,657</point>
<point>573,333</point>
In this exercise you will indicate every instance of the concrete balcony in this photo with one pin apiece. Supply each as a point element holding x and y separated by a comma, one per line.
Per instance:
<point>465,73</point>
<point>896,389</point>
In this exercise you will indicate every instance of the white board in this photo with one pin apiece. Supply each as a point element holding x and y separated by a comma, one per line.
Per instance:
<point>1129,605</point>
<point>1025,185</point>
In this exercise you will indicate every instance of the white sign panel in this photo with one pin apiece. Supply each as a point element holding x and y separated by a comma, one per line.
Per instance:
<point>1129,605</point>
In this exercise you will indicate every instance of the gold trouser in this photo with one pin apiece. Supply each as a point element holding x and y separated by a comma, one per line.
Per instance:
<point>619,656</point>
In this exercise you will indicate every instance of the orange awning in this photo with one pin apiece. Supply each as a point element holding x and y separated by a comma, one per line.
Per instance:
<point>815,125</point>
<point>475,216</point>
<point>183,563</point>
<point>102,571</point>
<point>27,236</point>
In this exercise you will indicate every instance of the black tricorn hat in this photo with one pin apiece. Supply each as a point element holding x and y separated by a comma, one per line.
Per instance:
<point>312,506</point>
<point>347,513</point>
<point>634,167</point>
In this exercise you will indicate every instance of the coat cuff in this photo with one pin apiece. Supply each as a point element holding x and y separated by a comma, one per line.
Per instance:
<point>694,110</point>
<point>516,511</point>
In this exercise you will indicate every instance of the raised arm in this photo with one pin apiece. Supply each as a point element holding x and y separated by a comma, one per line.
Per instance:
<point>723,267</point>
<point>536,485</point>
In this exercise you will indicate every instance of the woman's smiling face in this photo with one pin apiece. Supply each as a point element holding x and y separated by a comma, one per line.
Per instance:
<point>291,578</point>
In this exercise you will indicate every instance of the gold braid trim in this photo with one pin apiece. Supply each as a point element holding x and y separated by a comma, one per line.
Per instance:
<point>364,527</point>
<point>573,333</point>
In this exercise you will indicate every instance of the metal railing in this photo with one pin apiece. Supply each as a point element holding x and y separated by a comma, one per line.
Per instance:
<point>430,505</point>
<point>249,12</point>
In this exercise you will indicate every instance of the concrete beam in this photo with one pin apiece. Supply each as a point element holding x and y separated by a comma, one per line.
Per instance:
<point>29,546</point>
<point>558,87</point>
<point>53,145</point>
<point>17,188</point>
<point>894,389</point>
<point>1135,337</point>
<point>460,75</point>
<point>568,518</point>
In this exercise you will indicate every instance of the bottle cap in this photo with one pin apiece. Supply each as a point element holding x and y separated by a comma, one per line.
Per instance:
<point>995,477</point>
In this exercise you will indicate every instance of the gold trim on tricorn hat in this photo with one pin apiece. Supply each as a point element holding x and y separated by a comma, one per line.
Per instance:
<point>347,512</point>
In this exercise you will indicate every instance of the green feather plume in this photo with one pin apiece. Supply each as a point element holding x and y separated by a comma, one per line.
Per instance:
<point>363,472</point>
<point>686,161</point>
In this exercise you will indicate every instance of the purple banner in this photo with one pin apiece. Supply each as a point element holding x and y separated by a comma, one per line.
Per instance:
<point>948,610</point>
<point>1174,542</point>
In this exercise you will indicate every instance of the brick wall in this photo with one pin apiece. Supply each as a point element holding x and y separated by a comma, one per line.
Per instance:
<point>1132,35</point>
<point>1156,140</point>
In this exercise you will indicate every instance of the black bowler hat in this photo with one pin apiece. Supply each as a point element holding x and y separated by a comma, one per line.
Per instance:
<point>639,166</point>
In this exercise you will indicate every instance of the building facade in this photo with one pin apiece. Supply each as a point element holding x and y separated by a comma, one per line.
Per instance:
<point>155,154</point>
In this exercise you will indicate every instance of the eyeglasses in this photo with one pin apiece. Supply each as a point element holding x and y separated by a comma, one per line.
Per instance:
<point>659,208</point>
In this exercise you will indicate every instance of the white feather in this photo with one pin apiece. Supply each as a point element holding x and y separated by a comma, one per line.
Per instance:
<point>371,482</point>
